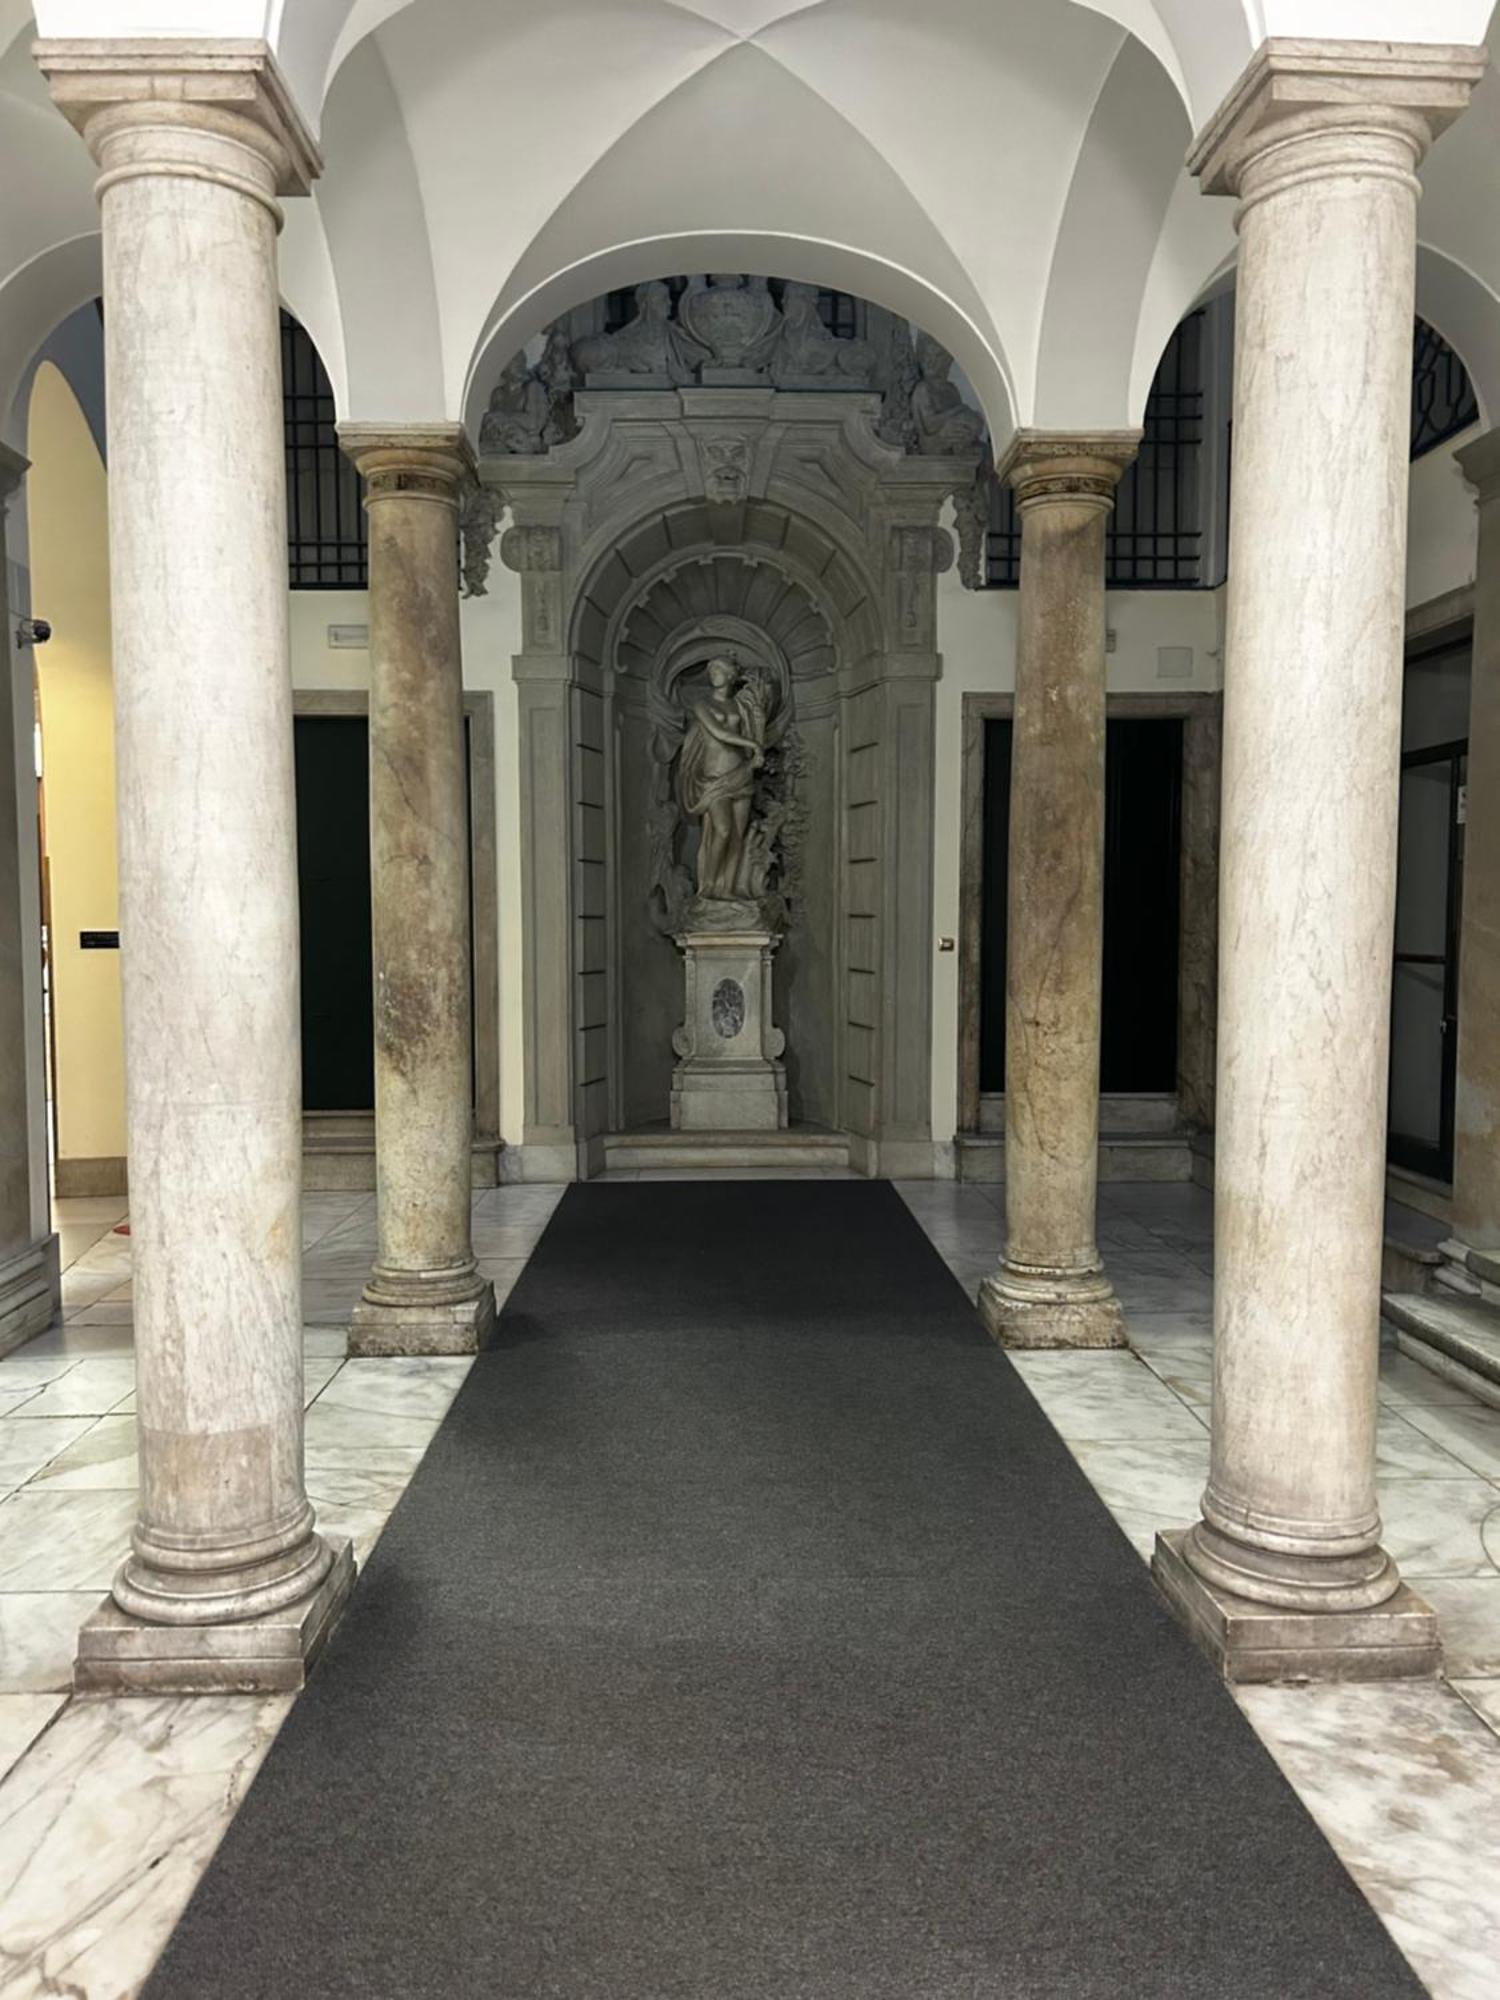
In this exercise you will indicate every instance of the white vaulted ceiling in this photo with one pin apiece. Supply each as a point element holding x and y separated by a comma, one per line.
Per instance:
<point>1007,173</point>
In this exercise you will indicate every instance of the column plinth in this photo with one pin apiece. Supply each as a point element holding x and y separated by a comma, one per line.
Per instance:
<point>1285,1576</point>
<point>425,1293</point>
<point>228,1585</point>
<point>1051,1289</point>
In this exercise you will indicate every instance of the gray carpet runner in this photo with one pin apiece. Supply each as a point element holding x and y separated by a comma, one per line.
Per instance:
<point>748,1634</point>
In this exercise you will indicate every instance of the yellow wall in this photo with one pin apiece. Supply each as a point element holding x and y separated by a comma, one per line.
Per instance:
<point>68,524</point>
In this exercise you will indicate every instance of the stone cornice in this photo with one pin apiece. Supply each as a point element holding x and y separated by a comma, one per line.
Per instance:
<point>419,461</point>
<point>13,469</point>
<point>101,84</point>
<point>1480,464</point>
<point>1067,465</point>
<point>1300,88</point>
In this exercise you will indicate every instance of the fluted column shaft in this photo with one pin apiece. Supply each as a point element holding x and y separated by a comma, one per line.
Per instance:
<point>1320,142</point>
<point>425,1294</point>
<point>1051,1289</point>
<point>194,143</point>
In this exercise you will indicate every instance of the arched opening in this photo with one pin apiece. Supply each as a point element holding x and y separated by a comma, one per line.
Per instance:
<point>754,470</point>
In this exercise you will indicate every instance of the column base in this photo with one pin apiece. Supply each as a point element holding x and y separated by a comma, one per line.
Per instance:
<point>30,1293</point>
<point>118,1654</point>
<point>1250,1642</point>
<point>463,1326</point>
<point>1025,1309</point>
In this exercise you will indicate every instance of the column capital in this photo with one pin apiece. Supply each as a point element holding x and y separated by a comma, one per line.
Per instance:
<point>115,92</point>
<point>419,461</point>
<point>13,469</point>
<point>1371,105</point>
<point>1067,465</point>
<point>1479,460</point>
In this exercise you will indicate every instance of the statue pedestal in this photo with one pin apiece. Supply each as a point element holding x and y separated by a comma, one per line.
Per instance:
<point>729,1076</point>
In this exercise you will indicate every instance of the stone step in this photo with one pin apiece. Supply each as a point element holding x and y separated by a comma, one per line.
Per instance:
<point>1123,1156</point>
<point>1458,1339</point>
<point>660,1150</point>
<point>1485,1264</point>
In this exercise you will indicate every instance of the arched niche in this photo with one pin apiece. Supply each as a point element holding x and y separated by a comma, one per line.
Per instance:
<point>672,516</point>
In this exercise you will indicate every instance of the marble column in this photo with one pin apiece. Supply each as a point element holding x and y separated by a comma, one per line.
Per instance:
<point>1051,1289</point>
<point>29,1289</point>
<point>1476,1138</point>
<point>425,1294</point>
<point>1284,1576</point>
<point>228,1585</point>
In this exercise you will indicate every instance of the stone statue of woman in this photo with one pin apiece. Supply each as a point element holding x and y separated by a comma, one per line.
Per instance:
<point>723,748</point>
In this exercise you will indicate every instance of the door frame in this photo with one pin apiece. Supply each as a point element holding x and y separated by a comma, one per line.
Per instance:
<point>1200,711</point>
<point>479,711</point>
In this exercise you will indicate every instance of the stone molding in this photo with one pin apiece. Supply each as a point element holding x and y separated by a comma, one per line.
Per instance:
<point>1479,462</point>
<point>13,469</point>
<point>410,461</point>
<point>145,97</point>
<point>1068,465</point>
<point>1311,109</point>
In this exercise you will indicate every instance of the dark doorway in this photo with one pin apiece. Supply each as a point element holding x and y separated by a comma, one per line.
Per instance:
<point>1424,986</point>
<point>333,882</point>
<point>1142,904</point>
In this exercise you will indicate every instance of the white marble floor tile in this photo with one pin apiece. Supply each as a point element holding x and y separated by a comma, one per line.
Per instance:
<point>1406,1449</point>
<point>105,1209</point>
<point>1105,1396</point>
<point>26,1369</point>
<point>23,1717</point>
<point>1404,1381</point>
<point>1471,1435</point>
<point>332,1427</point>
<point>1405,1781</point>
<point>324,1342</point>
<point>360,1520</point>
<point>112,1311</point>
<point>507,1239</point>
<point>63,1541</point>
<point>318,1370</point>
<point>1435,1527</point>
<point>105,1827</point>
<point>1468,1609</point>
<point>1483,1696</point>
<point>103,1458</point>
<point>14,1399</point>
<point>1182,1291</point>
<point>27,1444</point>
<point>92,1387</point>
<point>80,1336</point>
<point>1160,1477</point>
<point>39,1636</point>
<point>502,1273</point>
<point>413,1385</point>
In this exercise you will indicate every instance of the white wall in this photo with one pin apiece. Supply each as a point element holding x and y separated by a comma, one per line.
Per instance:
<point>1442,524</point>
<point>977,639</point>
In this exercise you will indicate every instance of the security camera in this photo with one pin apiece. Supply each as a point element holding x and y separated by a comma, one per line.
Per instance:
<point>33,632</point>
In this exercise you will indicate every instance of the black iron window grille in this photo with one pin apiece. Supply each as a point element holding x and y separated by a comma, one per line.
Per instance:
<point>1154,540</point>
<point>1443,402</point>
<point>325,517</point>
